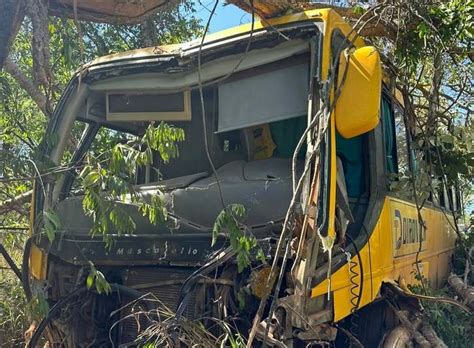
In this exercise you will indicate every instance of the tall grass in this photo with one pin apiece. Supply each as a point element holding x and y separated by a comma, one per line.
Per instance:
<point>13,310</point>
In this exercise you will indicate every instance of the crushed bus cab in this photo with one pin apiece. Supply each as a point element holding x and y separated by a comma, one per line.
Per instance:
<point>302,130</point>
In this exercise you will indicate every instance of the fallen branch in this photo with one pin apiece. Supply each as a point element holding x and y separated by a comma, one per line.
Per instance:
<point>264,8</point>
<point>15,202</point>
<point>411,326</point>
<point>431,336</point>
<point>465,292</point>
<point>274,8</point>
<point>37,10</point>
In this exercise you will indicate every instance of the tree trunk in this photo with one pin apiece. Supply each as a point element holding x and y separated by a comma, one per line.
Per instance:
<point>11,16</point>
<point>38,12</point>
<point>148,33</point>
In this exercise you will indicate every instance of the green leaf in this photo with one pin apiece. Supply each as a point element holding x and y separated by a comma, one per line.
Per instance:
<point>228,222</point>
<point>40,306</point>
<point>92,178</point>
<point>101,284</point>
<point>52,217</point>
<point>261,256</point>
<point>97,278</point>
<point>358,10</point>
<point>90,281</point>
<point>51,224</point>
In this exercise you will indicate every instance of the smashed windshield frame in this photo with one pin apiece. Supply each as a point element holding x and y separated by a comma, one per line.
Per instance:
<point>234,143</point>
<point>95,74</point>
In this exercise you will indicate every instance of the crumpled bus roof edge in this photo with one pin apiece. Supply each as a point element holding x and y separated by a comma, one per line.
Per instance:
<point>180,48</point>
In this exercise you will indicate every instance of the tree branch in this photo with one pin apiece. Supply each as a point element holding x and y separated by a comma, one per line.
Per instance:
<point>10,261</point>
<point>15,202</point>
<point>27,84</point>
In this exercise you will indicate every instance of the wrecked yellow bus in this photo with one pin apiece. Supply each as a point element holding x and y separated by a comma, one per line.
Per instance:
<point>289,117</point>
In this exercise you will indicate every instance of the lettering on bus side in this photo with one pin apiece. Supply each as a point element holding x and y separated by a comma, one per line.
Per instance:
<point>161,251</point>
<point>408,234</point>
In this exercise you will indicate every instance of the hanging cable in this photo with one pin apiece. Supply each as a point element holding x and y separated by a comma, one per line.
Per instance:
<point>203,107</point>
<point>227,254</point>
<point>356,303</point>
<point>353,275</point>
<point>355,297</point>
<point>325,110</point>
<point>201,92</point>
<point>242,55</point>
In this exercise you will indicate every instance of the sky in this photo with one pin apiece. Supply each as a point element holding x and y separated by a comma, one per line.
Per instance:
<point>226,16</point>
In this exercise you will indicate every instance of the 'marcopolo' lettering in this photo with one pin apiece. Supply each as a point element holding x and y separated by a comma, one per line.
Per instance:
<point>409,230</point>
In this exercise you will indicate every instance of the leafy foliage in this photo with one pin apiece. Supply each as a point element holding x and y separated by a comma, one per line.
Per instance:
<point>453,325</point>
<point>51,224</point>
<point>228,222</point>
<point>462,261</point>
<point>109,183</point>
<point>439,42</point>
<point>97,278</point>
<point>13,311</point>
<point>23,123</point>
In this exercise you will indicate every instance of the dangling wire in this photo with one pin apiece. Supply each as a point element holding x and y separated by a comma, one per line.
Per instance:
<point>223,255</point>
<point>353,271</point>
<point>203,108</point>
<point>201,85</point>
<point>355,297</point>
<point>353,275</point>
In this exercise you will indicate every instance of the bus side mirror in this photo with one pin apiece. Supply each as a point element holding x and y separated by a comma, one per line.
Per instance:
<point>358,106</point>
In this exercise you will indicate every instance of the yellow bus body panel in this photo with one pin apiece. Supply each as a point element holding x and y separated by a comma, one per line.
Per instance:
<point>387,256</point>
<point>391,254</point>
<point>38,263</point>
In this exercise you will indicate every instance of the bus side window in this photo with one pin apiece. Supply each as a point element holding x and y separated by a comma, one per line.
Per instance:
<point>401,140</point>
<point>441,194</point>
<point>451,199</point>
<point>457,195</point>
<point>389,136</point>
<point>395,134</point>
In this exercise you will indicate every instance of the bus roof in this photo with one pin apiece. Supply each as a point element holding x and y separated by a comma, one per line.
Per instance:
<point>320,15</point>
